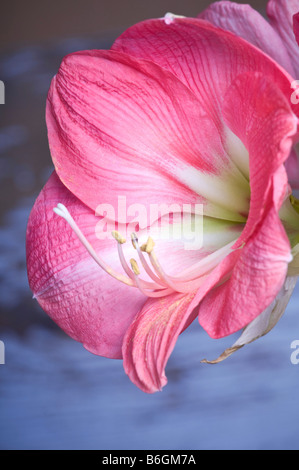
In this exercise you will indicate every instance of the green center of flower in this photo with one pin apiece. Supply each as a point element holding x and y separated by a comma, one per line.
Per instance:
<point>295,203</point>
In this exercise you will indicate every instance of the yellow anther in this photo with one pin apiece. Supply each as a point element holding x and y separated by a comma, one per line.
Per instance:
<point>135,266</point>
<point>148,246</point>
<point>118,237</point>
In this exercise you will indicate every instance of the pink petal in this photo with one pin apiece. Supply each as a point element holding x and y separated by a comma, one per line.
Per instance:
<point>118,126</point>
<point>260,115</point>
<point>280,13</point>
<point>246,22</point>
<point>254,283</point>
<point>88,304</point>
<point>205,58</point>
<point>151,338</point>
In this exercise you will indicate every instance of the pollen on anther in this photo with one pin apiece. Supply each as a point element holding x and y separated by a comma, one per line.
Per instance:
<point>118,237</point>
<point>135,266</point>
<point>148,246</point>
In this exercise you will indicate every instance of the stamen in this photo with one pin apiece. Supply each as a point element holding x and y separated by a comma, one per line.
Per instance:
<point>134,240</point>
<point>197,273</point>
<point>159,270</point>
<point>175,284</point>
<point>202,267</point>
<point>135,267</point>
<point>148,246</point>
<point>206,264</point>
<point>121,241</point>
<point>118,237</point>
<point>162,284</point>
<point>162,278</point>
<point>150,243</point>
<point>156,293</point>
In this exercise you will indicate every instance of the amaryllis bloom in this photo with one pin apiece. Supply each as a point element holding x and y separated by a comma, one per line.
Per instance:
<point>178,114</point>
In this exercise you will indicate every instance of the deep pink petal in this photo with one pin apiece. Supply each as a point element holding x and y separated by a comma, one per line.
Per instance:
<point>280,13</point>
<point>88,304</point>
<point>246,22</point>
<point>118,126</point>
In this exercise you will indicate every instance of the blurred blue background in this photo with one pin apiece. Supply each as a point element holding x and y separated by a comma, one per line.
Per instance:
<point>53,393</point>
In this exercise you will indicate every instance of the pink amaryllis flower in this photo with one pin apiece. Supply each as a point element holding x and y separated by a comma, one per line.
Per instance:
<point>180,113</point>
